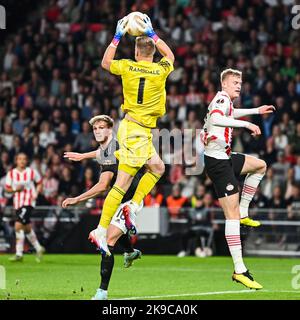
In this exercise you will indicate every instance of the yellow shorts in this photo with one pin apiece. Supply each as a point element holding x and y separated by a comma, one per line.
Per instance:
<point>136,146</point>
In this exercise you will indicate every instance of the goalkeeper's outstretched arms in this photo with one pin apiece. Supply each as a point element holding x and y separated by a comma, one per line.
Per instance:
<point>161,46</point>
<point>111,49</point>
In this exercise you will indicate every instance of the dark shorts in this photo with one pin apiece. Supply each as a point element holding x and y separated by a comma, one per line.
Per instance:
<point>223,173</point>
<point>24,214</point>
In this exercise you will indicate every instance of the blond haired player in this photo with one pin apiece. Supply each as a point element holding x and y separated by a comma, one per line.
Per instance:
<point>25,184</point>
<point>222,166</point>
<point>144,102</point>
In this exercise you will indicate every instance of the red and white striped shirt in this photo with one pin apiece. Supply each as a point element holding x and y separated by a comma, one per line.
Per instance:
<point>218,139</point>
<point>219,123</point>
<point>27,178</point>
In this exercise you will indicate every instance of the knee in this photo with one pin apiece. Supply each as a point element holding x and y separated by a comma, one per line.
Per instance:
<point>262,168</point>
<point>160,168</point>
<point>18,227</point>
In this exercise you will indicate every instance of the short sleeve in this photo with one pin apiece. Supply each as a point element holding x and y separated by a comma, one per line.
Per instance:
<point>37,177</point>
<point>221,105</point>
<point>117,67</point>
<point>166,65</point>
<point>98,156</point>
<point>8,180</point>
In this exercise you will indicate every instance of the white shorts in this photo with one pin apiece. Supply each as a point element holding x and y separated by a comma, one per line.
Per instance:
<point>118,219</point>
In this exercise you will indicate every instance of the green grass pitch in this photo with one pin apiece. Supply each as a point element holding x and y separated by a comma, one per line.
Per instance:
<point>73,277</point>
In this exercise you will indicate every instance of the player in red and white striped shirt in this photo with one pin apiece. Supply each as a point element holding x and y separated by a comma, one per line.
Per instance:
<point>223,166</point>
<point>25,183</point>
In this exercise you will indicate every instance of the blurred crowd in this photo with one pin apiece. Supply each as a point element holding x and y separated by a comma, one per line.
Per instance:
<point>51,84</point>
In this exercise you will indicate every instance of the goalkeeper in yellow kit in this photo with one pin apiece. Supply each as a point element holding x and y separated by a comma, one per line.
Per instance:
<point>144,102</point>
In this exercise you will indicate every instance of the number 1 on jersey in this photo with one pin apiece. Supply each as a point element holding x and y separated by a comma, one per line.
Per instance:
<point>140,96</point>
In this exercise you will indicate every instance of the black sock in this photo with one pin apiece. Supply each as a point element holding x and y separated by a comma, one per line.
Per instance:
<point>125,243</point>
<point>185,241</point>
<point>107,264</point>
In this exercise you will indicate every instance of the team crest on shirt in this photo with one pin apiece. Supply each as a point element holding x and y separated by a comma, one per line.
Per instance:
<point>229,187</point>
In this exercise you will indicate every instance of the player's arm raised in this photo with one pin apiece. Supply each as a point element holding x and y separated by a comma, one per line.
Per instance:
<point>162,47</point>
<point>111,49</point>
<point>165,50</point>
<point>238,113</point>
<point>101,186</point>
<point>220,120</point>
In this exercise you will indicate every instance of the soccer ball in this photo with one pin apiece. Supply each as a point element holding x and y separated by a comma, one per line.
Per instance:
<point>133,25</point>
<point>208,251</point>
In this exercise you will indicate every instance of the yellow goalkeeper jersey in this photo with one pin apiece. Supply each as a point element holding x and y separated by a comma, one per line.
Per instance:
<point>143,88</point>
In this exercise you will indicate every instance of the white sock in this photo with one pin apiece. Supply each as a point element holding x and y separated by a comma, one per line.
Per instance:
<point>31,236</point>
<point>20,237</point>
<point>252,180</point>
<point>232,235</point>
<point>101,231</point>
<point>133,205</point>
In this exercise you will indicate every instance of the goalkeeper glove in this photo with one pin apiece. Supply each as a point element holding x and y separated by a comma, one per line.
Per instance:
<point>148,29</point>
<point>120,31</point>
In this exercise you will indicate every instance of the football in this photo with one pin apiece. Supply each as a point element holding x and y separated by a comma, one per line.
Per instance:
<point>133,24</point>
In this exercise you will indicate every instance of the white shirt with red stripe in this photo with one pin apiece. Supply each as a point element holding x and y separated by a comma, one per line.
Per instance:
<point>217,140</point>
<point>27,178</point>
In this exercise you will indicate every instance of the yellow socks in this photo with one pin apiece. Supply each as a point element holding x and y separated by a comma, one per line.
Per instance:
<point>116,194</point>
<point>146,184</point>
<point>111,204</point>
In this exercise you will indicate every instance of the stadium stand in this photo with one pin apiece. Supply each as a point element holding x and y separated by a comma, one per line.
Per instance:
<point>51,83</point>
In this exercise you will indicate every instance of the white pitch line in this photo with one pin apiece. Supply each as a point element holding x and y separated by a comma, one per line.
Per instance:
<point>287,291</point>
<point>189,294</point>
<point>208,294</point>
